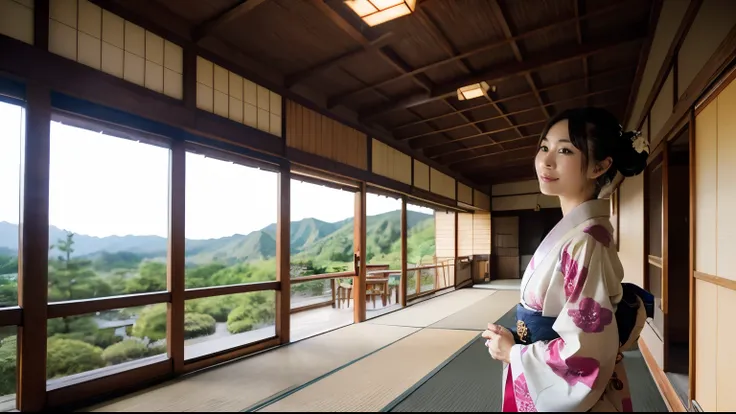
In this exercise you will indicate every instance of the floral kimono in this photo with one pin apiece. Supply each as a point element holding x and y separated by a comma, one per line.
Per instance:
<point>574,283</point>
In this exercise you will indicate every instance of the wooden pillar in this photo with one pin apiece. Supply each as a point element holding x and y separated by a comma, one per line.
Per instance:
<point>189,80</point>
<point>34,251</point>
<point>691,269</point>
<point>403,281</point>
<point>176,256</point>
<point>283,256</point>
<point>454,268</point>
<point>359,240</point>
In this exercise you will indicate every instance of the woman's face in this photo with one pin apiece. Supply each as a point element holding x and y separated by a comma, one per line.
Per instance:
<point>558,164</point>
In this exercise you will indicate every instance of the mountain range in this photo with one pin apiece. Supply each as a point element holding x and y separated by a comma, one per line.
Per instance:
<point>310,238</point>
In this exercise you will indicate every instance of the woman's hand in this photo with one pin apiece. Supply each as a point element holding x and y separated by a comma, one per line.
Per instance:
<point>499,342</point>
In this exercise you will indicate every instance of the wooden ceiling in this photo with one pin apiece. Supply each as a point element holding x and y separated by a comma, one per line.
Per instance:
<point>400,78</point>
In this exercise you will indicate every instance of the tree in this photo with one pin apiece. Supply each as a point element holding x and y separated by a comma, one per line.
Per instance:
<point>151,277</point>
<point>199,277</point>
<point>73,278</point>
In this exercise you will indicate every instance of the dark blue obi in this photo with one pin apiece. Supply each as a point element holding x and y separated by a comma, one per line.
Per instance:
<point>531,326</point>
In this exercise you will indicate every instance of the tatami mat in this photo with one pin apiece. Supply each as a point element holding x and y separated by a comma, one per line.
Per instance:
<point>471,382</point>
<point>478,315</point>
<point>432,311</point>
<point>373,382</point>
<point>239,385</point>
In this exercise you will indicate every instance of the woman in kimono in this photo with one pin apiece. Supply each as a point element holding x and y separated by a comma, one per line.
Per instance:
<point>575,317</point>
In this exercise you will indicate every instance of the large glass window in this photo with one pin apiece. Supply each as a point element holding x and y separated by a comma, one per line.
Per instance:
<point>430,250</point>
<point>11,139</point>
<point>108,216</point>
<point>11,142</point>
<point>231,213</point>
<point>322,229</point>
<point>383,246</point>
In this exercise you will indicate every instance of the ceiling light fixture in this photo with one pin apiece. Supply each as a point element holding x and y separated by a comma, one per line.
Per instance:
<point>375,12</point>
<point>473,91</point>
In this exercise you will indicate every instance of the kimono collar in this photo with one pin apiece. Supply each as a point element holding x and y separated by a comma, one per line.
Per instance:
<point>588,210</point>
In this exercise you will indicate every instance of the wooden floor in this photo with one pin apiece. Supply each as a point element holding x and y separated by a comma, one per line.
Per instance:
<point>370,366</point>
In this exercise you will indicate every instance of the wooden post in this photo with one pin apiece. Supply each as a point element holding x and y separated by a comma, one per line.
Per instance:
<point>691,269</point>
<point>359,240</point>
<point>34,251</point>
<point>176,256</point>
<point>454,267</point>
<point>283,256</point>
<point>403,280</point>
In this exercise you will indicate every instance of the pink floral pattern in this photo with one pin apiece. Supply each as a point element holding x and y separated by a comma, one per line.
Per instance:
<point>574,275</point>
<point>590,316</point>
<point>600,234</point>
<point>524,403</point>
<point>626,405</point>
<point>534,301</point>
<point>574,369</point>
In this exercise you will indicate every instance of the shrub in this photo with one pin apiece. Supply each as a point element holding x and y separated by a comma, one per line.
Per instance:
<point>8,351</point>
<point>70,356</point>
<point>240,320</point>
<point>130,350</point>
<point>152,323</point>
<point>102,338</point>
<point>198,324</point>
<point>217,307</point>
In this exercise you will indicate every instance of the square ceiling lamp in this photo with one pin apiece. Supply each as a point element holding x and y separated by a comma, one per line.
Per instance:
<point>473,91</point>
<point>375,12</point>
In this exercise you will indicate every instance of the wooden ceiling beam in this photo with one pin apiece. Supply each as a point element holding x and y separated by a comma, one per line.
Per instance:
<point>441,38</point>
<point>654,12</point>
<point>439,155</point>
<point>388,55</point>
<point>475,147</point>
<point>495,131</point>
<point>504,25</point>
<point>373,46</point>
<point>562,101</point>
<point>519,96</point>
<point>579,7</point>
<point>505,71</point>
<point>475,157</point>
<point>501,160</point>
<point>340,98</point>
<point>233,13</point>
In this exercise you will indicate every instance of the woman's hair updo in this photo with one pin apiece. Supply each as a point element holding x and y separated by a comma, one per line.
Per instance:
<point>597,133</point>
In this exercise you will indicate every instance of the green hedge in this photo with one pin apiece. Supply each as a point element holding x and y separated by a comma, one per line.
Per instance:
<point>130,350</point>
<point>152,324</point>
<point>198,324</point>
<point>8,351</point>
<point>241,320</point>
<point>70,356</point>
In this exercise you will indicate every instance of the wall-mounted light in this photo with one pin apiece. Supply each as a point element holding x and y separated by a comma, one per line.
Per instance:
<point>473,91</point>
<point>375,12</point>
